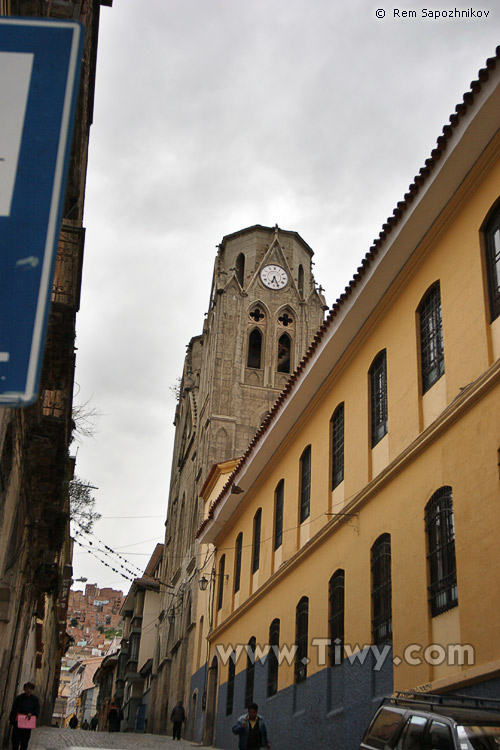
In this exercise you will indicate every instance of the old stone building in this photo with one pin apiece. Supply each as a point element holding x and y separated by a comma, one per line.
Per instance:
<point>35,466</point>
<point>264,311</point>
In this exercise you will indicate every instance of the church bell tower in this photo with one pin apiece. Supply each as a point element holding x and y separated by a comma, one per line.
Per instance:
<point>263,313</point>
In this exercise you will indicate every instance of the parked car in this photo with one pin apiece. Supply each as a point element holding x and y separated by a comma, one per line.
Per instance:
<point>424,721</point>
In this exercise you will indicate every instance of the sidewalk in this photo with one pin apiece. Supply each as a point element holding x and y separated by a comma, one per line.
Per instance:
<point>47,738</point>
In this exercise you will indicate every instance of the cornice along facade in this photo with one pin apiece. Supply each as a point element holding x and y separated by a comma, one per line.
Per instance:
<point>472,126</point>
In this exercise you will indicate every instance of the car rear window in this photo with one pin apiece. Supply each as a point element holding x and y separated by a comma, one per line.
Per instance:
<point>385,729</point>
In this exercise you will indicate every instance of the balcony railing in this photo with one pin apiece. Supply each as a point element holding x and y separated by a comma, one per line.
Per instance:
<point>68,270</point>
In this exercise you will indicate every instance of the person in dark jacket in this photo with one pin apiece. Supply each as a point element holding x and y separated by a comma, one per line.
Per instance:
<point>251,730</point>
<point>73,722</point>
<point>26,705</point>
<point>177,716</point>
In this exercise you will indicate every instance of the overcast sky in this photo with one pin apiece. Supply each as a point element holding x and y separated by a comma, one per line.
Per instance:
<point>210,117</point>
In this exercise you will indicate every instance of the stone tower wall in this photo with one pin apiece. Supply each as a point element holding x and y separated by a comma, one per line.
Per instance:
<point>222,402</point>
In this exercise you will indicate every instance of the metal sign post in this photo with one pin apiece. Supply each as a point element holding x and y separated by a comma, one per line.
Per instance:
<point>39,75</point>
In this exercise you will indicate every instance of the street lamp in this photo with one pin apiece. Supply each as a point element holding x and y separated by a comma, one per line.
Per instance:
<point>203,583</point>
<point>171,617</point>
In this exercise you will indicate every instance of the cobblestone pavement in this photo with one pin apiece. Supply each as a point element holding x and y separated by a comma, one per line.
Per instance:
<point>46,738</point>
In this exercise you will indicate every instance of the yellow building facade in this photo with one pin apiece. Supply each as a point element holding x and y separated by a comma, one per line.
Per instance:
<point>356,542</point>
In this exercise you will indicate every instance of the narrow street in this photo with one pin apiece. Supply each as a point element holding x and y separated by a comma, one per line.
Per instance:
<point>47,738</point>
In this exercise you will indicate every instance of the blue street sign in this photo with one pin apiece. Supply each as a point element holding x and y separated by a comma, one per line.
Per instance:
<point>39,77</point>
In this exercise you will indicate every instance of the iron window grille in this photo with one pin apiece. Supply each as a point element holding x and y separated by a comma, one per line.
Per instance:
<point>250,672</point>
<point>336,596</point>
<point>492,239</point>
<point>338,446</point>
<point>301,638</point>
<point>305,484</point>
<point>237,563</point>
<point>431,338</point>
<point>378,392</point>
<point>230,684</point>
<point>381,590</point>
<point>220,594</point>
<point>256,540</point>
<point>272,659</point>
<point>440,527</point>
<point>279,496</point>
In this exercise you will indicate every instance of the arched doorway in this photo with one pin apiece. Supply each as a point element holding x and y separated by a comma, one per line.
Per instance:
<point>211,709</point>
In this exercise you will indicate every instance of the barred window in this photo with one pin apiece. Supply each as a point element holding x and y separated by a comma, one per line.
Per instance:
<point>440,527</point>
<point>338,446</point>
<point>272,659</point>
<point>279,495</point>
<point>222,565</point>
<point>254,349</point>
<point>250,672</point>
<point>257,520</point>
<point>237,562</point>
<point>378,392</point>
<point>230,683</point>
<point>431,338</point>
<point>336,589</point>
<point>381,589</point>
<point>492,242</point>
<point>305,484</point>
<point>301,638</point>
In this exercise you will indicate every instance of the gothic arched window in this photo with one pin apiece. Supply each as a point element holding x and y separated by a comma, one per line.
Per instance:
<point>284,353</point>
<point>254,349</point>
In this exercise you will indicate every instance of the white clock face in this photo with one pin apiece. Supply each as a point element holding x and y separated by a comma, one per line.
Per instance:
<point>274,277</point>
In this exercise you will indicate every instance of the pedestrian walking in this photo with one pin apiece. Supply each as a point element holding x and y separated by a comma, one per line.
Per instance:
<point>115,715</point>
<point>93,723</point>
<point>178,715</point>
<point>73,722</point>
<point>251,730</point>
<point>22,717</point>
<point>85,724</point>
